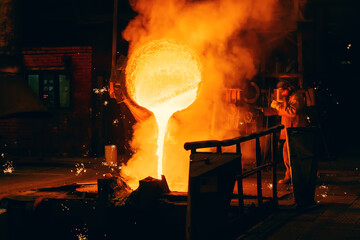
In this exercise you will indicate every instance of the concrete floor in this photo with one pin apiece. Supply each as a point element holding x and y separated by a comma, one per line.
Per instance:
<point>337,215</point>
<point>31,174</point>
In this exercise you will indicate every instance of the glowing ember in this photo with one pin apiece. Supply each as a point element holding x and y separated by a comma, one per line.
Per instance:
<point>79,169</point>
<point>100,91</point>
<point>8,167</point>
<point>163,77</point>
<point>81,233</point>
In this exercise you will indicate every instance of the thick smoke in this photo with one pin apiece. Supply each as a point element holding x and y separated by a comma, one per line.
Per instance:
<point>223,34</point>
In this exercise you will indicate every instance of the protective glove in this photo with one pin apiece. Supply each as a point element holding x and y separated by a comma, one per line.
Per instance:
<point>275,104</point>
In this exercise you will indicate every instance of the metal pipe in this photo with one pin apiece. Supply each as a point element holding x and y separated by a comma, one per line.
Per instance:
<point>114,37</point>
<point>258,174</point>
<point>274,149</point>
<point>239,180</point>
<point>229,142</point>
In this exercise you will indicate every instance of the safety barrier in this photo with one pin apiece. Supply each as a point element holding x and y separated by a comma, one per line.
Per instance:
<point>219,168</point>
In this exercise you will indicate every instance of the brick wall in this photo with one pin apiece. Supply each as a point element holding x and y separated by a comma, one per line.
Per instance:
<point>81,67</point>
<point>66,132</point>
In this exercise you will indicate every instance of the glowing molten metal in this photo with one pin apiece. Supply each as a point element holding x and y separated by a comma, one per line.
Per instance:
<point>163,77</point>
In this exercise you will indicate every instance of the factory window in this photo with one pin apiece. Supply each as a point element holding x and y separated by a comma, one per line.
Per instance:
<point>54,89</point>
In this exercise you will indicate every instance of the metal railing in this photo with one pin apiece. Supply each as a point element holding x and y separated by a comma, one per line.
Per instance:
<point>194,146</point>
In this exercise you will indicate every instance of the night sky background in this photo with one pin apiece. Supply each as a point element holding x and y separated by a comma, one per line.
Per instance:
<point>75,23</point>
<point>89,23</point>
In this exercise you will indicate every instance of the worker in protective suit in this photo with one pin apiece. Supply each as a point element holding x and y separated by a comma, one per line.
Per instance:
<point>291,108</point>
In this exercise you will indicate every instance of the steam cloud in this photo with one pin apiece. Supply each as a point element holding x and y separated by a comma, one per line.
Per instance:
<point>223,34</point>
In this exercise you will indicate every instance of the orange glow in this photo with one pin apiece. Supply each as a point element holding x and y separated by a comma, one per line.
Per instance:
<point>163,77</point>
<point>168,42</point>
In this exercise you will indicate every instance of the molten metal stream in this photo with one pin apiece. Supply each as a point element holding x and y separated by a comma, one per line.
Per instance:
<point>163,77</point>
<point>162,117</point>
